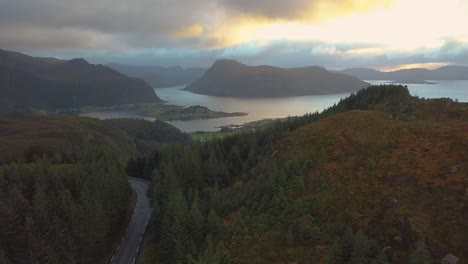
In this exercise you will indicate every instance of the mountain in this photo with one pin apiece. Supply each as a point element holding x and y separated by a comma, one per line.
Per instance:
<point>233,79</point>
<point>160,77</point>
<point>49,83</point>
<point>411,75</point>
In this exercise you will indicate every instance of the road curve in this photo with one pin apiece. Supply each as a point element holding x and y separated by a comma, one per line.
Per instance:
<point>129,246</point>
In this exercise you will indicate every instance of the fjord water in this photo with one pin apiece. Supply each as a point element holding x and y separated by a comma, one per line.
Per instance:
<point>456,90</point>
<point>258,109</point>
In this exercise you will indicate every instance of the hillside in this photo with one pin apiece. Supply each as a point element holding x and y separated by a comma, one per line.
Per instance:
<point>379,177</point>
<point>372,173</point>
<point>233,79</point>
<point>48,83</point>
<point>23,137</point>
<point>161,77</point>
<point>147,135</point>
<point>411,75</point>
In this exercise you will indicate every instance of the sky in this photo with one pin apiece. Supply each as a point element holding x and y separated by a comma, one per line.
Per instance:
<point>336,34</point>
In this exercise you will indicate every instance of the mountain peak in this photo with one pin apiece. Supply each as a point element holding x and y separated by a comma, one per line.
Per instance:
<point>226,62</point>
<point>78,61</point>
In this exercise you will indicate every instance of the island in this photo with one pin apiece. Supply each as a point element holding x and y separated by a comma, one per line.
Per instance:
<point>165,112</point>
<point>229,78</point>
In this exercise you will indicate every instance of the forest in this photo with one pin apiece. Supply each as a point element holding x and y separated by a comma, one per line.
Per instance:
<point>64,193</point>
<point>263,197</point>
<point>62,209</point>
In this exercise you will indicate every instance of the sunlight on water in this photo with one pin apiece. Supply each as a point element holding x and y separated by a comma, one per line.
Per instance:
<point>258,109</point>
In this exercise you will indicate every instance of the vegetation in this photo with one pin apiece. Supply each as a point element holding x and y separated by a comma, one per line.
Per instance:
<point>341,186</point>
<point>23,137</point>
<point>61,209</point>
<point>230,130</point>
<point>64,195</point>
<point>165,112</point>
<point>148,135</point>
<point>189,113</point>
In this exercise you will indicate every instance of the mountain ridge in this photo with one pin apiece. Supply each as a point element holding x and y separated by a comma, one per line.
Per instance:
<point>161,77</point>
<point>445,73</point>
<point>49,83</point>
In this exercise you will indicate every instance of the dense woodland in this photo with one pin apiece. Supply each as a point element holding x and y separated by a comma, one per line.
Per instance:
<point>61,209</point>
<point>248,198</point>
<point>63,189</point>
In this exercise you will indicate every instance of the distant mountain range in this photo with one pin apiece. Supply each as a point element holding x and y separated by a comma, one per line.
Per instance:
<point>233,79</point>
<point>411,75</point>
<point>160,77</point>
<point>49,83</point>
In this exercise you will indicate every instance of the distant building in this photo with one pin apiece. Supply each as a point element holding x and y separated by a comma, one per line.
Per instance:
<point>450,259</point>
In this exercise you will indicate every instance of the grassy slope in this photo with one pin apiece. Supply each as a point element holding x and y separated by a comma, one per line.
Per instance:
<point>389,177</point>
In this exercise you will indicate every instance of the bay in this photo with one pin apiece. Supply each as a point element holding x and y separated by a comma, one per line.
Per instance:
<point>267,108</point>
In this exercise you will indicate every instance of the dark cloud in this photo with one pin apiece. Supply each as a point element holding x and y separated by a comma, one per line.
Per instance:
<point>96,23</point>
<point>138,23</point>
<point>300,9</point>
<point>109,16</point>
<point>267,8</point>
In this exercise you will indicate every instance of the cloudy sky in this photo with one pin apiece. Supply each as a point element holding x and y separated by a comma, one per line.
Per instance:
<point>383,34</point>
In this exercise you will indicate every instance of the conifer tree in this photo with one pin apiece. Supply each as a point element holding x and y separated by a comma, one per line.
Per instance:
<point>421,255</point>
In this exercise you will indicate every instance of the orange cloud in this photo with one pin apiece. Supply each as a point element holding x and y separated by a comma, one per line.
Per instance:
<point>190,31</point>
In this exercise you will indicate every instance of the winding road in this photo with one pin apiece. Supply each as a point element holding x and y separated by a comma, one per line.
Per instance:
<point>129,246</point>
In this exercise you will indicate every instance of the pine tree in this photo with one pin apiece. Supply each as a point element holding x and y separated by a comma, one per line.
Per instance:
<point>197,220</point>
<point>171,183</point>
<point>381,259</point>
<point>421,255</point>
<point>213,223</point>
<point>40,207</point>
<point>335,253</point>
<point>4,259</point>
<point>348,243</point>
<point>361,250</point>
<point>289,237</point>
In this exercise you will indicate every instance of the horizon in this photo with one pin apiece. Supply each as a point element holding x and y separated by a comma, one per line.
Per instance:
<point>429,66</point>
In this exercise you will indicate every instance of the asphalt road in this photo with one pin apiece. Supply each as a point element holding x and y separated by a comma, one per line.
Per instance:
<point>129,246</point>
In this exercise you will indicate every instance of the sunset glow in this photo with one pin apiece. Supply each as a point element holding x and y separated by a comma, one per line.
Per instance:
<point>341,33</point>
